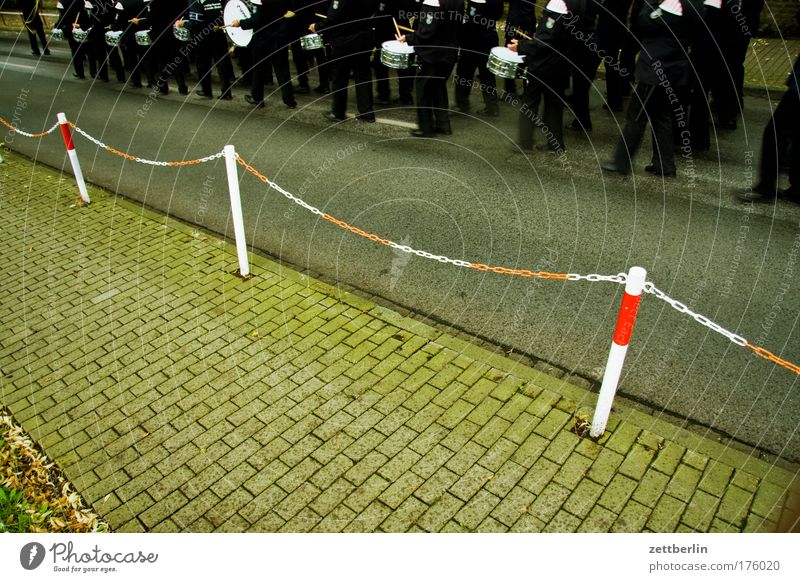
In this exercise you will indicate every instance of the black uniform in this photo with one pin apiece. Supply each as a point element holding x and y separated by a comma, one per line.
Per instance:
<point>583,30</point>
<point>549,58</point>
<point>33,24</point>
<point>296,27</point>
<point>72,13</point>
<point>163,59</point>
<point>211,45</point>
<point>782,136</point>
<point>662,70</point>
<point>706,60</point>
<point>522,18</point>
<point>384,30</point>
<point>100,15</point>
<point>132,53</point>
<point>612,35</point>
<point>435,42</point>
<point>739,21</point>
<point>348,28</point>
<point>270,41</point>
<point>478,36</point>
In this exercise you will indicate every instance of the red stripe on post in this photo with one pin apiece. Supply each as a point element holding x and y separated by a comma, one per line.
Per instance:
<point>626,319</point>
<point>67,136</point>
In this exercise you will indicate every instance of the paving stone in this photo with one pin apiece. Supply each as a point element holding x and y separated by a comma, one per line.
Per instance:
<point>466,457</point>
<point>297,500</point>
<point>651,487</point>
<point>401,463</point>
<point>402,518</point>
<point>336,520</point>
<point>550,426</point>
<point>666,514</point>
<point>435,486</point>
<point>745,480</point>
<point>668,458</point>
<point>573,471</point>
<point>505,478</point>
<point>583,498</point>
<point>617,492</point>
<point>716,478</point>
<point>539,475</point>
<point>530,450</point>
<point>366,493</point>
<point>563,522</point>
<point>477,509</point>
<point>768,501</point>
<point>513,506</point>
<point>599,520</point>
<point>684,482</point>
<point>700,511</point>
<point>490,432</point>
<point>548,503</point>
<point>636,462</point>
<point>470,482</point>
<point>605,466</point>
<point>401,489</point>
<point>735,506</point>
<point>432,461</point>
<point>369,519</point>
<point>497,455</point>
<point>332,497</point>
<point>695,459</point>
<point>633,518</point>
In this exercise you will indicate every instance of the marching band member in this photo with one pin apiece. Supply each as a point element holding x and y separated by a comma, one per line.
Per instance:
<point>347,26</point>
<point>71,11</point>
<point>270,41</point>
<point>163,59</point>
<point>205,23</point>
<point>33,24</point>
<point>478,36</point>
<point>521,19</point>
<point>435,42</point>
<point>129,19</point>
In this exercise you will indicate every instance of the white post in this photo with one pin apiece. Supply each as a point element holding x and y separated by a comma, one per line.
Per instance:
<point>73,157</point>
<point>236,209</point>
<point>619,347</point>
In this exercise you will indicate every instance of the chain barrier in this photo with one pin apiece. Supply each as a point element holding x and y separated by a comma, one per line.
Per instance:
<point>620,278</point>
<point>25,133</point>
<point>131,158</point>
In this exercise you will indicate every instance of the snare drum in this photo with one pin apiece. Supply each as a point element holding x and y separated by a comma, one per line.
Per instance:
<point>311,42</point>
<point>396,54</point>
<point>112,37</point>
<point>56,34</point>
<point>237,10</point>
<point>504,62</point>
<point>143,38</point>
<point>81,35</point>
<point>182,34</point>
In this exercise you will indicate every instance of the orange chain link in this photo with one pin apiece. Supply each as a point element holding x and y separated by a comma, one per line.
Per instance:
<point>520,272</point>
<point>251,169</point>
<point>770,357</point>
<point>14,129</point>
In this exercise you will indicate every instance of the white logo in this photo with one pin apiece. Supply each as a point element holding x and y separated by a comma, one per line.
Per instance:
<point>550,22</point>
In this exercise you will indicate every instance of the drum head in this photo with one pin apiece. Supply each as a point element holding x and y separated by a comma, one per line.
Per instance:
<point>395,46</point>
<point>237,10</point>
<point>506,54</point>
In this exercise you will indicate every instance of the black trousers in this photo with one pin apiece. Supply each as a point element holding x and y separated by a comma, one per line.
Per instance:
<point>78,51</point>
<point>433,106</point>
<point>405,79</point>
<point>470,61</point>
<point>781,134</point>
<point>300,58</point>
<point>213,48</point>
<point>132,56</point>
<point>729,90</point>
<point>612,35</point>
<point>344,64</point>
<point>552,119</point>
<point>583,74</point>
<point>34,26</point>
<point>279,60</point>
<point>649,103</point>
<point>164,61</point>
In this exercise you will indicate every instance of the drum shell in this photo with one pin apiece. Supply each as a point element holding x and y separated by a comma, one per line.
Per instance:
<point>182,34</point>
<point>397,59</point>
<point>57,34</point>
<point>81,35</point>
<point>143,38</point>
<point>311,42</point>
<point>502,68</point>
<point>113,37</point>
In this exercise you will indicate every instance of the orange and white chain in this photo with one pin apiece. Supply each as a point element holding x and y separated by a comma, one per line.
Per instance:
<point>25,133</point>
<point>131,158</point>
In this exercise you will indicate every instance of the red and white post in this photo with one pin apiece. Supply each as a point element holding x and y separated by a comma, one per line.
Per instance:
<point>236,209</point>
<point>619,347</point>
<point>73,157</point>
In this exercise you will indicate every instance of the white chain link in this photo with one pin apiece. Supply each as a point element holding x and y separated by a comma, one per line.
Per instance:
<point>650,288</point>
<point>99,143</point>
<point>620,278</point>
<point>26,134</point>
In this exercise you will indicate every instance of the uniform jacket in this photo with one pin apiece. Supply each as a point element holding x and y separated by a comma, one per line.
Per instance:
<point>268,26</point>
<point>550,54</point>
<point>349,25</point>
<point>127,10</point>
<point>665,41</point>
<point>73,12</point>
<point>479,31</point>
<point>435,38</point>
<point>203,13</point>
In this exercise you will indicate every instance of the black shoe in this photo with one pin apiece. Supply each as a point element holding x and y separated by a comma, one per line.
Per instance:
<point>420,133</point>
<point>612,168</point>
<point>443,130</point>
<point>331,116</point>
<point>163,89</point>
<point>383,101</point>
<point>651,169</point>
<point>321,90</point>
<point>302,90</point>
<point>489,112</point>
<point>291,104</point>
<point>576,126</point>
<point>790,194</point>
<point>546,147</point>
<point>183,90</point>
<point>368,118</point>
<point>47,52</point>
<point>103,78</point>
<point>201,93</point>
<point>225,96</point>
<point>252,101</point>
<point>81,77</point>
<point>404,101</point>
<point>36,53</point>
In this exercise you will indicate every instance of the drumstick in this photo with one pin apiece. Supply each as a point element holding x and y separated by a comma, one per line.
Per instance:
<point>396,27</point>
<point>320,15</point>
<point>289,14</point>
<point>404,28</point>
<point>522,34</point>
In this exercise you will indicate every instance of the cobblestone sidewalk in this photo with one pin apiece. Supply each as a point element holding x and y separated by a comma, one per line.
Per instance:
<point>180,398</point>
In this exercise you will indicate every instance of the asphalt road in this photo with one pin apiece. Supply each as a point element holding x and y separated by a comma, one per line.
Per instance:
<point>469,196</point>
